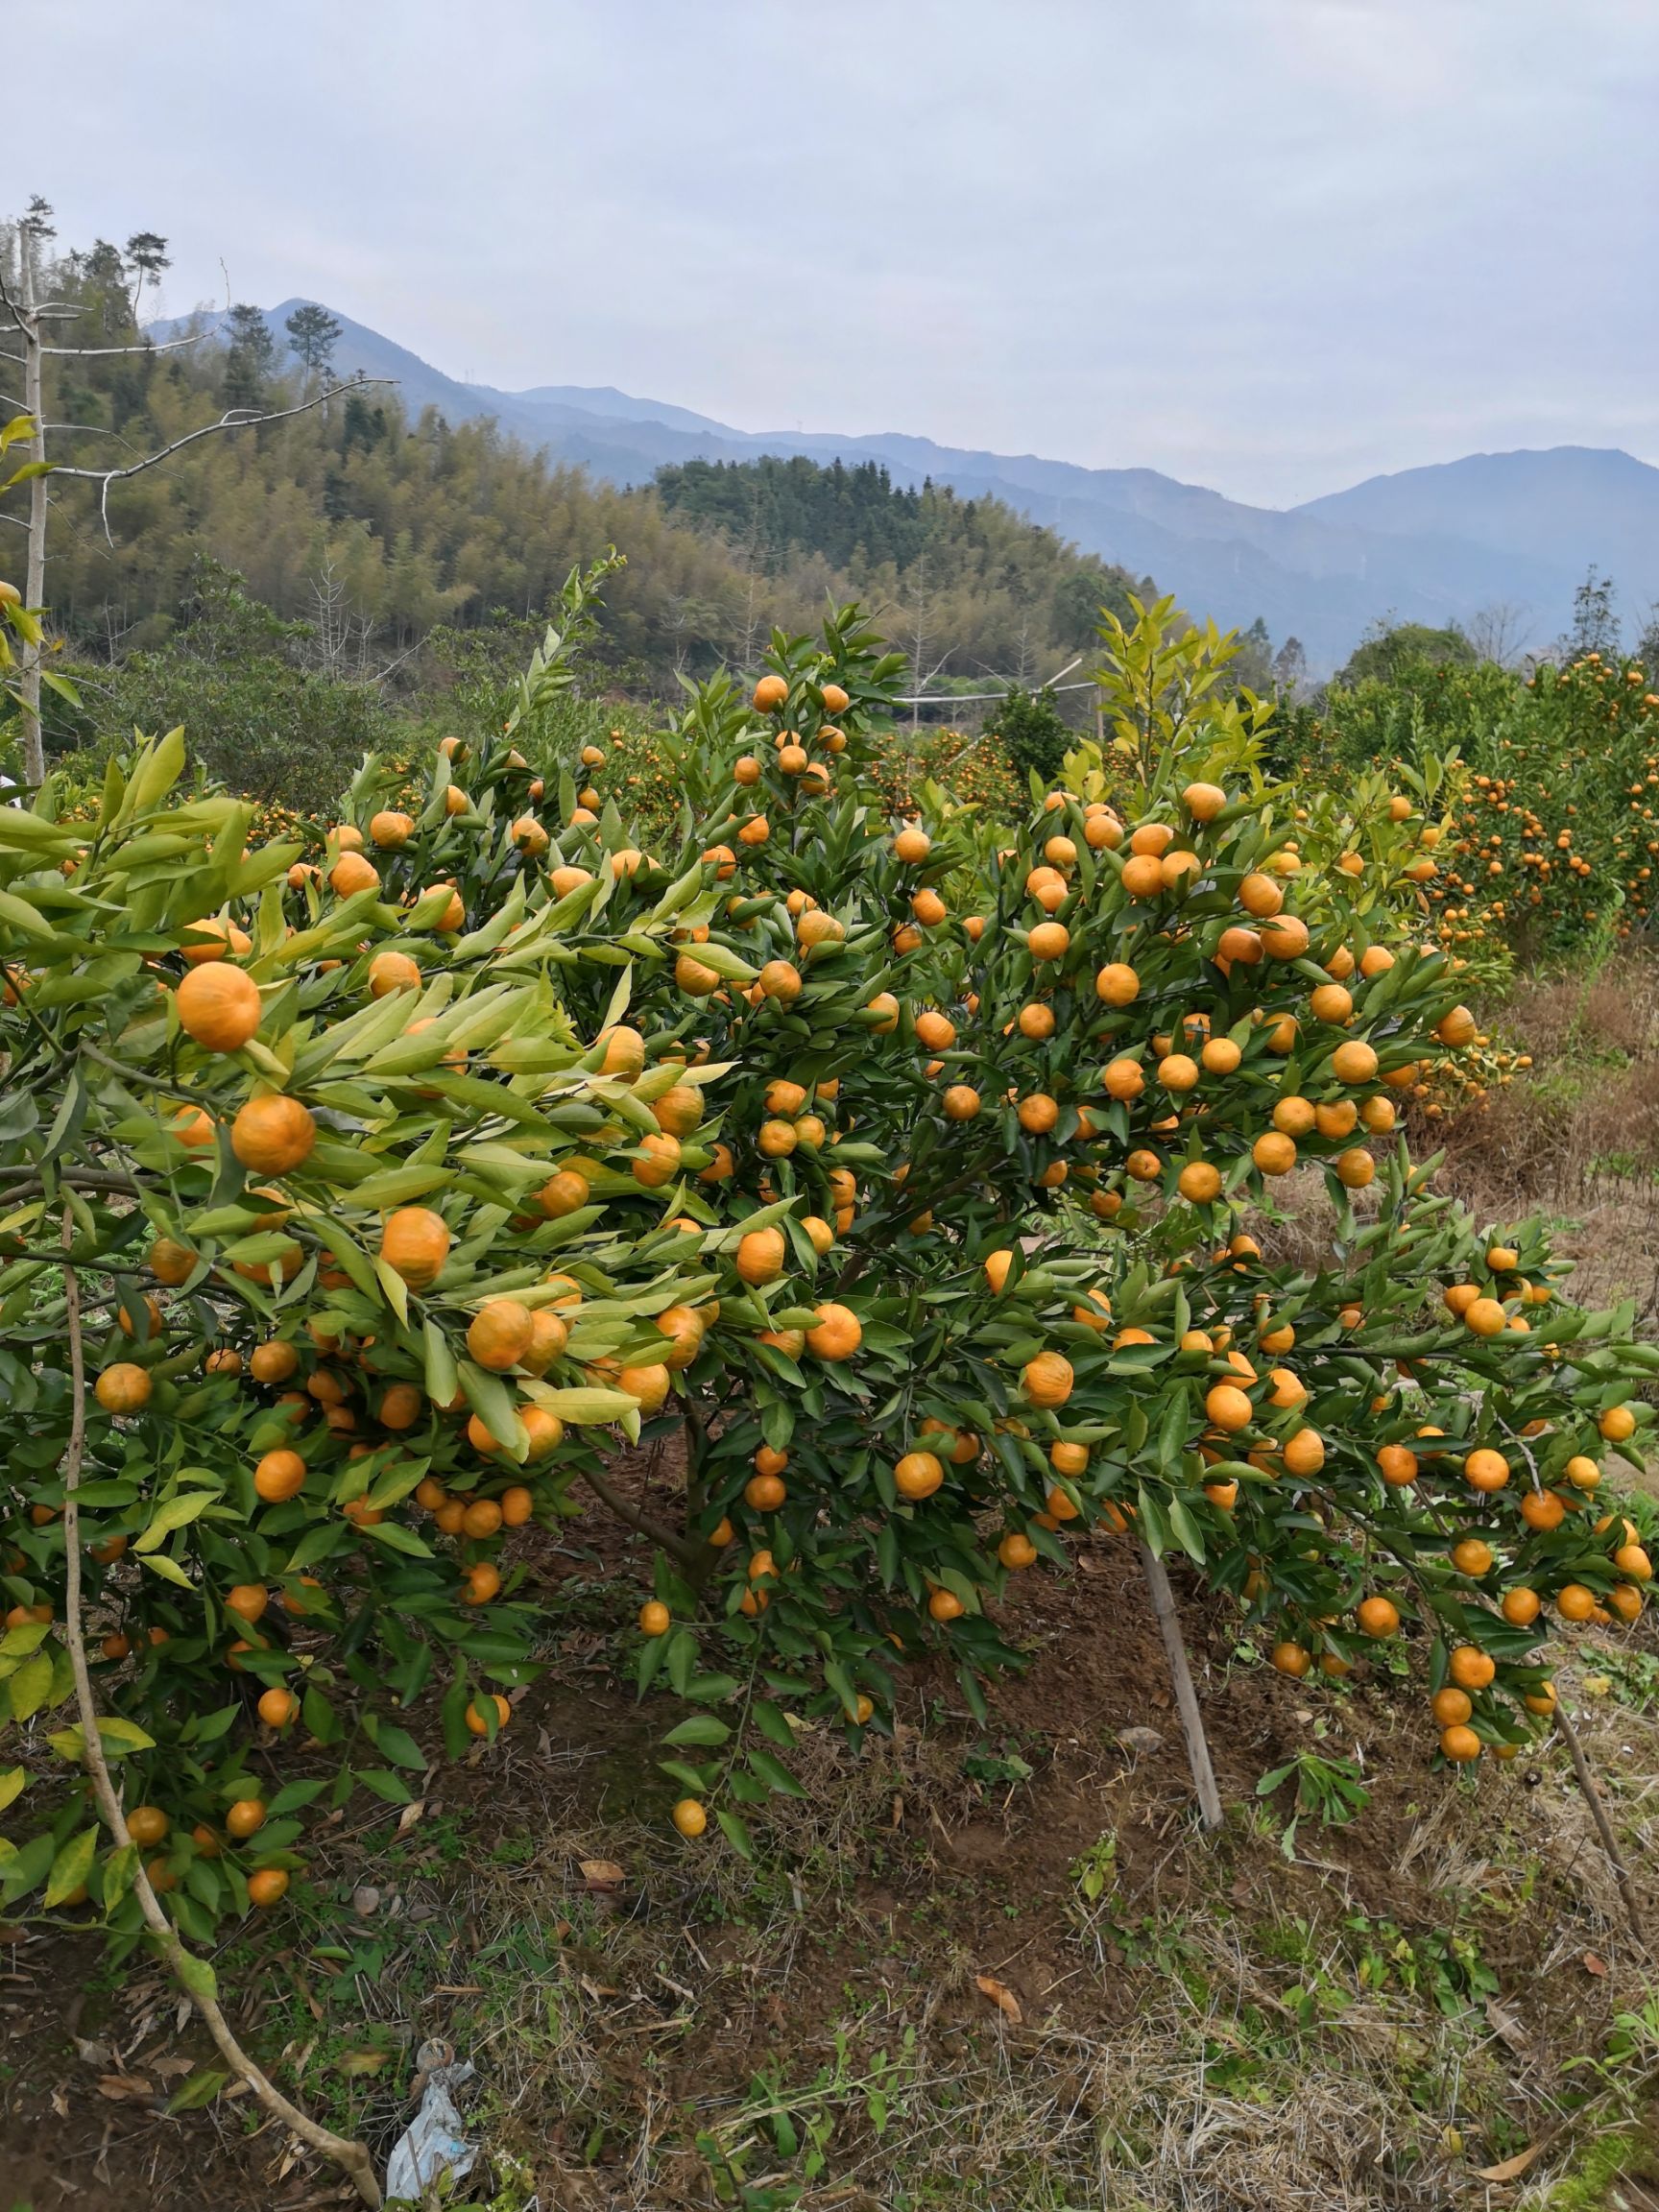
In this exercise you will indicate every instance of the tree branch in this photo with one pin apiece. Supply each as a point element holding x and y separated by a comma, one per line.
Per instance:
<point>677,1546</point>
<point>194,1974</point>
<point>234,419</point>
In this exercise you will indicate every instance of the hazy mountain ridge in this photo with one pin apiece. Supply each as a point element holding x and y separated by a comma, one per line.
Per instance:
<point>1432,544</point>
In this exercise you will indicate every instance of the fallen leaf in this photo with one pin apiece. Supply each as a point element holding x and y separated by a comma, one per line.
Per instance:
<point>1504,2024</point>
<point>602,1873</point>
<point>597,1988</point>
<point>91,2054</point>
<point>410,1813</point>
<point>1593,1964</point>
<point>1001,1995</point>
<point>171,2069</point>
<point>1510,2169</point>
<point>117,2087</point>
<point>356,2063</point>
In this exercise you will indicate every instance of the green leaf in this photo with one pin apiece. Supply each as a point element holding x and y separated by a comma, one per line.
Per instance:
<point>71,1866</point>
<point>196,1976</point>
<point>198,2089</point>
<point>774,1773</point>
<point>1186,1530</point>
<point>385,1784</point>
<point>399,1747</point>
<point>700,1728</point>
<point>12,1783</point>
<point>177,1513</point>
<point>735,1834</point>
<point>31,1685</point>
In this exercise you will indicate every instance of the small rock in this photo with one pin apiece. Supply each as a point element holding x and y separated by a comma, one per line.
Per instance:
<point>365,1900</point>
<point>1144,1741</point>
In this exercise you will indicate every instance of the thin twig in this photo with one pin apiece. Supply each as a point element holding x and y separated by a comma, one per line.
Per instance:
<point>193,1975</point>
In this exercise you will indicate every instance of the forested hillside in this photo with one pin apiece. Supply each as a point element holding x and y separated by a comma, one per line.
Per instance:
<point>377,528</point>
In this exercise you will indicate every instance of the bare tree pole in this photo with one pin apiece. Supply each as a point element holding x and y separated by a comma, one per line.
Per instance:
<point>1592,1798</point>
<point>34,567</point>
<point>194,1974</point>
<point>1210,1811</point>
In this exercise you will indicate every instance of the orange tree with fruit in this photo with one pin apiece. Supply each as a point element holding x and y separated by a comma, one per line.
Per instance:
<point>921,1174</point>
<point>1025,1094</point>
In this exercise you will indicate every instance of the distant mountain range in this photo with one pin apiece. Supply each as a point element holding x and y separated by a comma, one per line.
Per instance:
<point>1436,545</point>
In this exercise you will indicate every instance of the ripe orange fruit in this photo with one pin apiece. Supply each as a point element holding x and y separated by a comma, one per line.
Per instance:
<point>1486,1469</point>
<point>390,972</point>
<point>1304,1452</point>
<point>1618,1423</point>
<point>918,1475</point>
<point>415,1243</point>
<point>689,1817</point>
<point>476,1714</point>
<point>1461,1744</point>
<point>500,1333</point>
<point>1017,1550</point>
<point>391,830</point>
<point>1377,1616</point>
<point>1049,941</point>
<point>1485,1317</point>
<point>1258,894</point>
<point>482,1583</point>
<point>1353,1062</point>
<point>1274,1153</point>
<point>277,1708</point>
<point>944,1605</point>
<point>1227,1408</point>
<point>1472,1557</point>
<point>1047,1379</point>
<point>1199,1182</point>
<point>1521,1606</point>
<point>838,1333</point>
<point>274,1362</point>
<point>769,695</point>
<point>211,938</point>
<point>351,873</point>
<point>123,1388</point>
<point>1291,1659</point>
<point>146,1825</point>
<point>655,1617</point>
<point>218,1007</point>
<point>278,1477</point>
<point>764,1493</point>
<point>268,1887</point>
<point>1116,984</point>
<point>1471,1668</point>
<point>272,1135</point>
<point>1451,1706</point>
<point>761,1256</point>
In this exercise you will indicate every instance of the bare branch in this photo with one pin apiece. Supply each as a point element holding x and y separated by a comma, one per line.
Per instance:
<point>98,353</point>
<point>191,1972</point>
<point>236,419</point>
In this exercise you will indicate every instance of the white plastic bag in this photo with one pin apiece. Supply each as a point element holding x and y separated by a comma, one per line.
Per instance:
<point>432,2146</point>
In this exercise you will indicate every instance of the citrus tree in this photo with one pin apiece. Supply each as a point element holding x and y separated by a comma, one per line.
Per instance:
<point>920,1175</point>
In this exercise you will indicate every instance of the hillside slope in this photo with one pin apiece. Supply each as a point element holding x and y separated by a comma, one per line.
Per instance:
<point>1429,544</point>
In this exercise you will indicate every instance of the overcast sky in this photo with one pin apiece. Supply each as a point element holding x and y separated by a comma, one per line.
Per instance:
<point>1271,245</point>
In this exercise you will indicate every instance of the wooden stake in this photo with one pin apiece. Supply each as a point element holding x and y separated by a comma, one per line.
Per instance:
<point>1210,1811</point>
<point>1592,1798</point>
<point>194,1974</point>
